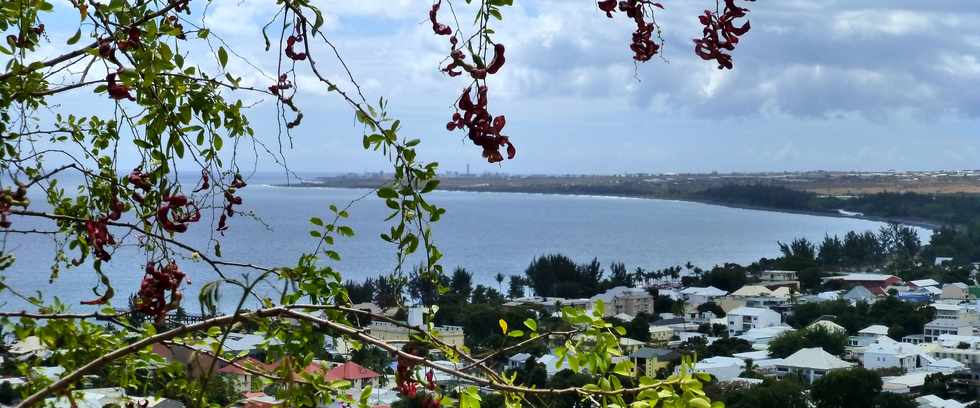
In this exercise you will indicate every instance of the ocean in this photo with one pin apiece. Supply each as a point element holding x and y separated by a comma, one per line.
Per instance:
<point>487,233</point>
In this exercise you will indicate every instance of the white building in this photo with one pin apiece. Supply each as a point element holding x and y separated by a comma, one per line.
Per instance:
<point>939,327</point>
<point>810,364</point>
<point>746,318</point>
<point>697,296</point>
<point>888,353</point>
<point>867,335</point>
<point>722,368</point>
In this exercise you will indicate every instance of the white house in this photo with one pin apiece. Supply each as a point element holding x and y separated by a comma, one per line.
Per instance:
<point>810,363</point>
<point>722,368</point>
<point>744,319</point>
<point>760,337</point>
<point>932,401</point>
<point>888,353</point>
<point>697,296</point>
<point>867,335</point>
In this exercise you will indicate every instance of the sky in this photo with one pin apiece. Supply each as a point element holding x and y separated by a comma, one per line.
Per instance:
<point>817,85</point>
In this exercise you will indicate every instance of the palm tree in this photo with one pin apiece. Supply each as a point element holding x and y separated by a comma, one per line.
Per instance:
<point>500,281</point>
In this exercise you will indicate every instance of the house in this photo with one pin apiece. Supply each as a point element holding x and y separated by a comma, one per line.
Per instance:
<point>761,360</point>
<point>621,299</point>
<point>751,291</point>
<point>888,353</point>
<point>868,280</point>
<point>860,294</point>
<point>722,368</point>
<point>552,365</point>
<point>904,384</point>
<point>770,277</point>
<point>867,335</point>
<point>390,332</point>
<point>923,283</point>
<point>518,360</point>
<point>660,335</point>
<point>810,364</point>
<point>829,326</point>
<point>551,305</point>
<point>647,361</point>
<point>629,345</point>
<point>946,310</point>
<point>939,327</point>
<point>245,372</point>
<point>955,291</point>
<point>762,336</point>
<point>932,401</point>
<point>101,397</point>
<point>697,296</point>
<point>746,318</point>
<point>359,376</point>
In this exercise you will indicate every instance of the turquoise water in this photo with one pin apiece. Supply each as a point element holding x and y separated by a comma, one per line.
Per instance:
<point>485,232</point>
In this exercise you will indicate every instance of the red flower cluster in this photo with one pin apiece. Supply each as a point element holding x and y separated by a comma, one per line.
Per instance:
<point>176,212</point>
<point>205,181</point>
<point>99,237</point>
<point>231,200</point>
<point>643,46</point>
<point>483,129</point>
<point>152,296</point>
<point>292,40</point>
<point>282,85</point>
<point>408,387</point>
<point>117,91</point>
<point>721,34</point>
<point>139,180</point>
<point>132,39</point>
<point>10,199</point>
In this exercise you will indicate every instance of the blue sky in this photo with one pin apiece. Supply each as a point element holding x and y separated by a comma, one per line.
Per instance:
<point>832,84</point>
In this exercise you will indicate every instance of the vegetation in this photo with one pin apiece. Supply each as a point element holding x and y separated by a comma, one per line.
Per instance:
<point>816,336</point>
<point>943,209</point>
<point>846,388</point>
<point>902,318</point>
<point>161,92</point>
<point>771,393</point>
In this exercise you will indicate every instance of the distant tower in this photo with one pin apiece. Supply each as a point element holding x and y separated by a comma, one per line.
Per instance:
<point>467,169</point>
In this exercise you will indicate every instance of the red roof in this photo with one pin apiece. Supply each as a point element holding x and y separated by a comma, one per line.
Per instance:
<point>349,371</point>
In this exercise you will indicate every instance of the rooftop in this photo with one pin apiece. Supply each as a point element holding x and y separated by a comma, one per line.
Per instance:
<point>815,358</point>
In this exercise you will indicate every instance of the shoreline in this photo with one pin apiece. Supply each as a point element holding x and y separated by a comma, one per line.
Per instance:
<point>932,226</point>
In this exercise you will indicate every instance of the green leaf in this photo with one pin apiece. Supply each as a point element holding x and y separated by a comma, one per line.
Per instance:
<point>387,192</point>
<point>74,39</point>
<point>222,56</point>
<point>531,324</point>
<point>316,221</point>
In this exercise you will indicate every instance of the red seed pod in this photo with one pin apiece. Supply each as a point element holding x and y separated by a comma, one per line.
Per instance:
<point>437,27</point>
<point>117,91</point>
<point>498,59</point>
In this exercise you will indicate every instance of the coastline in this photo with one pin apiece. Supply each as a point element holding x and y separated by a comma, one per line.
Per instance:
<point>932,226</point>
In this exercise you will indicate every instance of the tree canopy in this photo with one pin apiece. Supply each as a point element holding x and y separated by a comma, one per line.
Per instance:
<point>172,95</point>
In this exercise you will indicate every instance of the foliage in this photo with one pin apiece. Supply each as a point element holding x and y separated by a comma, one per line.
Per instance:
<point>908,318</point>
<point>558,276</point>
<point>890,400</point>
<point>846,388</point>
<point>790,342</point>
<point>785,393</point>
<point>176,96</point>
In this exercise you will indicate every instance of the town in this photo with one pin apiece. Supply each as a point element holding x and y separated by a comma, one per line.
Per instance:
<point>915,342</point>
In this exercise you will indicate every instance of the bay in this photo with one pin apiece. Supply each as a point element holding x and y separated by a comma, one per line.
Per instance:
<point>487,233</point>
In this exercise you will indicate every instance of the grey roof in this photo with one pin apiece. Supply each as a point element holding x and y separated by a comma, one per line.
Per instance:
<point>666,322</point>
<point>647,352</point>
